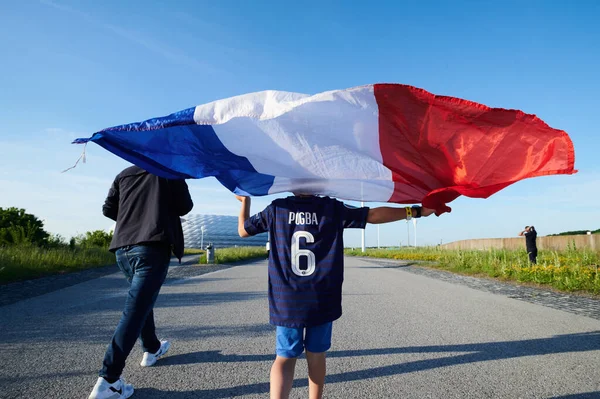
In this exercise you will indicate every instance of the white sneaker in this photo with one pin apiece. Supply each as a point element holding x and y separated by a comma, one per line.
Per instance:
<point>150,359</point>
<point>117,390</point>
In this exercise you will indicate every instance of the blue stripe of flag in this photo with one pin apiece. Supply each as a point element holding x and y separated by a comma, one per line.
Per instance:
<point>151,145</point>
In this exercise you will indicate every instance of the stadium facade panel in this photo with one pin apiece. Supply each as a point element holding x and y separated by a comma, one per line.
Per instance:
<point>220,230</point>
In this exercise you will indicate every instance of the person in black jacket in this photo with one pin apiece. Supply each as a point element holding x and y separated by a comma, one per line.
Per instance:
<point>147,209</point>
<point>530,243</point>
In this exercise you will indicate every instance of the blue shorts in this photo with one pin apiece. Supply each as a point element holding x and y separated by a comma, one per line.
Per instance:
<point>292,341</point>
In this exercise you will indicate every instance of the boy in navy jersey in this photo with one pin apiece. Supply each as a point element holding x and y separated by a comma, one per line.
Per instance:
<point>306,271</point>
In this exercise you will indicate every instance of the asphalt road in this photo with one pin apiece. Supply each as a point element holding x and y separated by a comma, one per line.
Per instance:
<point>402,335</point>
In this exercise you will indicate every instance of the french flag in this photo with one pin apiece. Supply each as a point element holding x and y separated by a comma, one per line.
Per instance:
<point>381,142</point>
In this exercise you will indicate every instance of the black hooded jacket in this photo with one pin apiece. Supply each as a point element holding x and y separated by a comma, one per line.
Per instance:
<point>147,209</point>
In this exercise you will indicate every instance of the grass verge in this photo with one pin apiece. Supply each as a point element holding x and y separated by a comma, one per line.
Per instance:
<point>193,251</point>
<point>570,270</point>
<point>236,254</point>
<point>26,262</point>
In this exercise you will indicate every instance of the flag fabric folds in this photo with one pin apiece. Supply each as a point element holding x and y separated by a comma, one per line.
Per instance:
<point>381,142</point>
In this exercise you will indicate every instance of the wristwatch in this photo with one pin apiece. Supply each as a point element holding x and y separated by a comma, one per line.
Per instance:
<point>416,211</point>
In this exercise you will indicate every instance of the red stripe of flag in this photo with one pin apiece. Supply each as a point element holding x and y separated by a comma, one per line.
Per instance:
<point>439,147</point>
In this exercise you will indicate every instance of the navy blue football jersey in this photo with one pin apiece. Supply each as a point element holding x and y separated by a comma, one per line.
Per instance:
<point>306,260</point>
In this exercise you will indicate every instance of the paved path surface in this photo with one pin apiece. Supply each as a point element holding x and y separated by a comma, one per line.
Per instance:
<point>18,291</point>
<point>406,333</point>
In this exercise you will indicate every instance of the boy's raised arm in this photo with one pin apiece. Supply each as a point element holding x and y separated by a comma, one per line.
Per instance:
<point>386,214</point>
<point>244,215</point>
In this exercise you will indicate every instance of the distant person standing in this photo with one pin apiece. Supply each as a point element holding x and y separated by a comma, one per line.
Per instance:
<point>530,243</point>
<point>147,209</point>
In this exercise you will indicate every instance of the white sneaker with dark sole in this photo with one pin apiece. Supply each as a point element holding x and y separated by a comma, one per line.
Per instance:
<point>117,390</point>
<point>149,359</point>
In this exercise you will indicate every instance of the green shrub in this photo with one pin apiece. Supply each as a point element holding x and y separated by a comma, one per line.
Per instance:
<point>94,239</point>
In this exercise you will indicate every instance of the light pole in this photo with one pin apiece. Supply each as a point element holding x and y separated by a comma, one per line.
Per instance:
<point>362,204</point>
<point>202,240</point>
<point>415,224</point>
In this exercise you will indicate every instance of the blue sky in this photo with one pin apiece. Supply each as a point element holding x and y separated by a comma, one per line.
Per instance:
<point>70,68</point>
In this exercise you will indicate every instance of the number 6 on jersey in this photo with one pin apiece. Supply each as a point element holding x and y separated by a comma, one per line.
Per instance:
<point>297,253</point>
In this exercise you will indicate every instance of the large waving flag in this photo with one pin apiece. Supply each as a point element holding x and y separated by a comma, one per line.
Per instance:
<point>382,142</point>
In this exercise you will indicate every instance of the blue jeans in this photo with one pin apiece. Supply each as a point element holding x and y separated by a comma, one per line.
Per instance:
<point>145,267</point>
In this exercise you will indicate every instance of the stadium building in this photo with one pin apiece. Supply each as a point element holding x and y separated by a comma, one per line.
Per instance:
<point>220,230</point>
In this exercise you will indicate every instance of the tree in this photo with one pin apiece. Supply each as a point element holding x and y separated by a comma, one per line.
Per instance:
<point>576,232</point>
<point>19,227</point>
<point>97,238</point>
<point>56,241</point>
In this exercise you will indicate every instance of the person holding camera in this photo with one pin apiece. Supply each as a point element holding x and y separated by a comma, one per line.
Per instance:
<point>530,237</point>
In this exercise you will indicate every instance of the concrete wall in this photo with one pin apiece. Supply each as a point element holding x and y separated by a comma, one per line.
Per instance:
<point>591,241</point>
